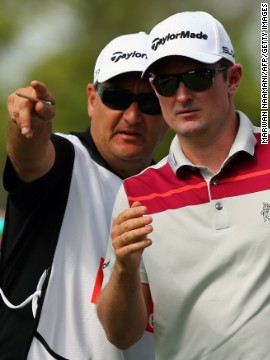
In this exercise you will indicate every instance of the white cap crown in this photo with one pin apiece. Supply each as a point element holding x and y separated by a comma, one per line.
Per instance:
<point>126,53</point>
<point>196,35</point>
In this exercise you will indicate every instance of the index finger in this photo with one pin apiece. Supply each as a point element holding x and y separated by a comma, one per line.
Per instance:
<point>42,92</point>
<point>137,210</point>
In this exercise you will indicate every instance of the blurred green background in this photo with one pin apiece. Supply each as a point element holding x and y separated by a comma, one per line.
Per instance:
<point>57,42</point>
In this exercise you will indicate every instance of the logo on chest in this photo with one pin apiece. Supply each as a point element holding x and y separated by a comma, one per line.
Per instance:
<point>265,212</point>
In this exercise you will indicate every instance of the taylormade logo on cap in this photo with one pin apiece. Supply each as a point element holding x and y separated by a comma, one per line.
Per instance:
<point>195,35</point>
<point>181,35</point>
<point>121,55</point>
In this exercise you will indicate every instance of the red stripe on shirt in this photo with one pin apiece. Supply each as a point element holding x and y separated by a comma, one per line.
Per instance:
<point>160,189</point>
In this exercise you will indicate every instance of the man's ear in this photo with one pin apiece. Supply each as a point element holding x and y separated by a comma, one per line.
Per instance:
<point>91,98</point>
<point>234,75</point>
<point>151,78</point>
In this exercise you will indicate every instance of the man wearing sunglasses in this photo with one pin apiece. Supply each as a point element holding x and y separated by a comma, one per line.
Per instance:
<point>61,193</point>
<point>194,237</point>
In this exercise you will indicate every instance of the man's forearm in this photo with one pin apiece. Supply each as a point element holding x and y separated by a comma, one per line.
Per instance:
<point>122,309</point>
<point>31,158</point>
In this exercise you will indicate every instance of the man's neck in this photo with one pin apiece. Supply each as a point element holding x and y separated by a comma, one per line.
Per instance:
<point>210,152</point>
<point>130,168</point>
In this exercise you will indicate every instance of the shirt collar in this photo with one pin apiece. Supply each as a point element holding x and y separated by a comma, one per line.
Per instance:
<point>244,141</point>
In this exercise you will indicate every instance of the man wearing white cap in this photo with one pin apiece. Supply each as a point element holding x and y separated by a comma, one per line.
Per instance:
<point>206,262</point>
<point>61,193</point>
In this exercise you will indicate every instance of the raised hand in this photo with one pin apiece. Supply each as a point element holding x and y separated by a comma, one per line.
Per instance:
<point>129,236</point>
<point>25,111</point>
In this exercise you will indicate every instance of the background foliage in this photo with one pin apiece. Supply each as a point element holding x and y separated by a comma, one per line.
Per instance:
<point>57,42</point>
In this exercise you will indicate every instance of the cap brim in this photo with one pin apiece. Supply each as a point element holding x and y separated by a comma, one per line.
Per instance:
<point>199,56</point>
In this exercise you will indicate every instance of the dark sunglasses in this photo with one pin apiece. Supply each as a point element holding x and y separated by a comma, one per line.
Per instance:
<point>195,80</point>
<point>120,99</point>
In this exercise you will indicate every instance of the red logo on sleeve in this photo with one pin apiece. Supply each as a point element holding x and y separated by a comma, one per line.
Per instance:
<point>98,282</point>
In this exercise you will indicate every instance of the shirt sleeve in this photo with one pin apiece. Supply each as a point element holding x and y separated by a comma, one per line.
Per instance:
<point>121,203</point>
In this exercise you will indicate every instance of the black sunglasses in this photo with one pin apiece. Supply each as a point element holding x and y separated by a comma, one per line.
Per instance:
<point>194,80</point>
<point>120,99</point>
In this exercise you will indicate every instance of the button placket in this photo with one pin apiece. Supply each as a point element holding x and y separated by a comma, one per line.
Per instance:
<point>221,218</point>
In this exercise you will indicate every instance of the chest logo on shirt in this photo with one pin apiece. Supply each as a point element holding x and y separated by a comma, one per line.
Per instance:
<point>265,212</point>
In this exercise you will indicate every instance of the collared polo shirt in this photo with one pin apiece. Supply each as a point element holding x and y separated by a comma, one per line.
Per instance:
<point>209,264</point>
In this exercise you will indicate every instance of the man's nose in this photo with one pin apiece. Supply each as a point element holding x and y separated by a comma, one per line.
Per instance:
<point>132,114</point>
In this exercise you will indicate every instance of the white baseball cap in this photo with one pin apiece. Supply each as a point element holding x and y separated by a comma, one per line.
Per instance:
<point>196,35</point>
<point>126,53</point>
